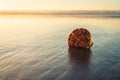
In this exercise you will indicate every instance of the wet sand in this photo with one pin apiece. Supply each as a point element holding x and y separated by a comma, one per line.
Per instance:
<point>36,49</point>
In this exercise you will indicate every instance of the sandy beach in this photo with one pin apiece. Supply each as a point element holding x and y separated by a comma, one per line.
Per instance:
<point>33,48</point>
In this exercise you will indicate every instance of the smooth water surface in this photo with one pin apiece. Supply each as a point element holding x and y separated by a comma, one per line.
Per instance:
<point>35,48</point>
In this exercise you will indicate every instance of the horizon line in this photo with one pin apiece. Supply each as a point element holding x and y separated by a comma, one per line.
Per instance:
<point>88,13</point>
<point>54,11</point>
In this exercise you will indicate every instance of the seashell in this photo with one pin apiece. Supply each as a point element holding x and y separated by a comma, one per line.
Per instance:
<point>80,37</point>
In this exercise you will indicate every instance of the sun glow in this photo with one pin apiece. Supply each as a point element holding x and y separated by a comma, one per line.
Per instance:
<point>59,5</point>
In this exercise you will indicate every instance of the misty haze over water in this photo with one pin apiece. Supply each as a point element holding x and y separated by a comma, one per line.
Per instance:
<point>78,13</point>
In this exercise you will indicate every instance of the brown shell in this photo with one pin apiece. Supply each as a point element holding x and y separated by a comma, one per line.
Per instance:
<point>80,38</point>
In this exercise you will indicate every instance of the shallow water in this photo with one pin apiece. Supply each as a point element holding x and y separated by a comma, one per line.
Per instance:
<point>35,48</point>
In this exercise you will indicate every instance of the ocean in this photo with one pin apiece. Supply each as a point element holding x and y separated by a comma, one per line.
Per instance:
<point>36,48</point>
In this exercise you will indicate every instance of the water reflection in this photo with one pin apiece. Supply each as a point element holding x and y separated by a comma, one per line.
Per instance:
<point>79,64</point>
<point>79,55</point>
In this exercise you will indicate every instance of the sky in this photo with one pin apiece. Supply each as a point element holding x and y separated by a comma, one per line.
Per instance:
<point>59,4</point>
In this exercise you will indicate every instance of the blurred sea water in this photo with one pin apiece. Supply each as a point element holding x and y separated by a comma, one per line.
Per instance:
<point>35,48</point>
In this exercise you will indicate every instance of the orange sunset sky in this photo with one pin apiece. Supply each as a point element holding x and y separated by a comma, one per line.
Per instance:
<point>59,4</point>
